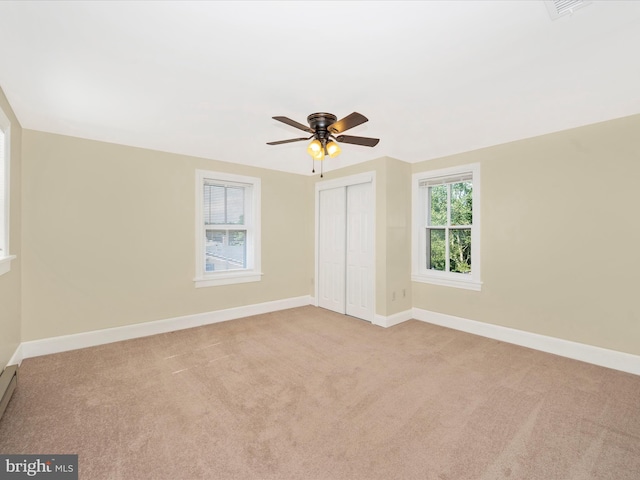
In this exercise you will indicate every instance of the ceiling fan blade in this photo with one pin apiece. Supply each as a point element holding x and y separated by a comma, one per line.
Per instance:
<point>280,142</point>
<point>364,141</point>
<point>293,123</point>
<point>350,121</point>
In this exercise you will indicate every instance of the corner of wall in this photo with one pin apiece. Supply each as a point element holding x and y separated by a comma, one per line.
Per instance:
<point>11,282</point>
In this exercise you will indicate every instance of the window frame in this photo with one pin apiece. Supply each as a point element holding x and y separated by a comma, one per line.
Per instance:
<point>252,273</point>
<point>419,270</point>
<point>5,196</point>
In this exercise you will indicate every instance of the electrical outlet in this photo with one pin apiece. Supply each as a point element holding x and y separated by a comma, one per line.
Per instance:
<point>393,296</point>
<point>404,293</point>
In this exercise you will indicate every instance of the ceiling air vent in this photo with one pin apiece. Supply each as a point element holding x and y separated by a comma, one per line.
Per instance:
<point>559,8</point>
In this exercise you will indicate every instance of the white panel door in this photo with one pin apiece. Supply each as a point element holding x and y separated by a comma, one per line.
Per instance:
<point>360,255</point>
<point>332,249</point>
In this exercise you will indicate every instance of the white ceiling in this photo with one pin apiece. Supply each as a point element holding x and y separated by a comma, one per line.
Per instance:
<point>205,78</point>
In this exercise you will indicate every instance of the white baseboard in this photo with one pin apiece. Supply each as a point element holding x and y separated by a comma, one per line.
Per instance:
<point>16,358</point>
<point>622,361</point>
<point>603,357</point>
<point>64,343</point>
<point>394,319</point>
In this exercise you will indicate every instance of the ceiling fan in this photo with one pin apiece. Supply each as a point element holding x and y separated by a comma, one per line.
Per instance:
<point>325,130</point>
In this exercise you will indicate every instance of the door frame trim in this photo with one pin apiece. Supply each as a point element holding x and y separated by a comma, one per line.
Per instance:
<point>357,179</point>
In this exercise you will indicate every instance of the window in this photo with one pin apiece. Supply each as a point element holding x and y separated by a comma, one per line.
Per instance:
<point>228,229</point>
<point>5,257</point>
<point>446,227</point>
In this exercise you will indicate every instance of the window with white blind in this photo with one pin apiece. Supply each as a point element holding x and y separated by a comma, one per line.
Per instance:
<point>228,229</point>
<point>446,227</point>
<point>5,256</point>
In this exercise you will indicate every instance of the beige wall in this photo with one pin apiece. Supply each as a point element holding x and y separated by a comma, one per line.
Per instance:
<point>559,237</point>
<point>398,236</point>
<point>109,237</point>
<point>10,282</point>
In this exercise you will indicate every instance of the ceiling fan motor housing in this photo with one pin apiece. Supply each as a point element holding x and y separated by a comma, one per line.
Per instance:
<point>320,123</point>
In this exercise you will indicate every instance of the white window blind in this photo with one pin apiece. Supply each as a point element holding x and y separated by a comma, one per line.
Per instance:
<point>224,204</point>
<point>430,182</point>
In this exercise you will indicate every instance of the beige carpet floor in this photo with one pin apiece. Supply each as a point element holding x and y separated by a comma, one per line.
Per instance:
<point>309,394</point>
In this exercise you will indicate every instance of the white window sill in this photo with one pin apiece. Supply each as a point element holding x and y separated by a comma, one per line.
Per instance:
<point>228,278</point>
<point>449,280</point>
<point>5,264</point>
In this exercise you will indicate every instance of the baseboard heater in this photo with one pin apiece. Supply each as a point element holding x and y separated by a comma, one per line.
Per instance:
<point>8,383</point>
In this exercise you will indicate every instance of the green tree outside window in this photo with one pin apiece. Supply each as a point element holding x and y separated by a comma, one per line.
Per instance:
<point>449,227</point>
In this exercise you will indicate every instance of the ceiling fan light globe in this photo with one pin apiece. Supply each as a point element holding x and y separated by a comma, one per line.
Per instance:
<point>319,155</point>
<point>314,147</point>
<point>333,149</point>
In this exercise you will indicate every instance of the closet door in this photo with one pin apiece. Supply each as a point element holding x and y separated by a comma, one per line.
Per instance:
<point>359,251</point>
<point>345,250</point>
<point>332,249</point>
